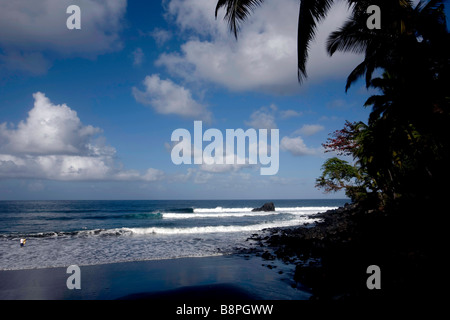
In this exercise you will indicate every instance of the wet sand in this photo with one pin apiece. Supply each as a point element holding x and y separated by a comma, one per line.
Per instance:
<point>208,278</point>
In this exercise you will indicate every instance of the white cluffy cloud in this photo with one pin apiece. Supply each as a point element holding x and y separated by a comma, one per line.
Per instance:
<point>167,97</point>
<point>49,129</point>
<point>32,33</point>
<point>296,146</point>
<point>161,36</point>
<point>309,129</point>
<point>52,143</point>
<point>263,118</point>
<point>265,56</point>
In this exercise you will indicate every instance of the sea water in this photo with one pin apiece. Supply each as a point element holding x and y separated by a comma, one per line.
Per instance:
<point>63,233</point>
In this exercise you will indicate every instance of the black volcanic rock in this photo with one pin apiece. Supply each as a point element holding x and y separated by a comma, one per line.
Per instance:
<point>332,255</point>
<point>266,207</point>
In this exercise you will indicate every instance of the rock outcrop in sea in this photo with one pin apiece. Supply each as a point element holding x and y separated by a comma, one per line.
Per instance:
<point>269,206</point>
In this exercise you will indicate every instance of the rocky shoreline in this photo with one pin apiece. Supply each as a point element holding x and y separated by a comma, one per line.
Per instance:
<point>331,256</point>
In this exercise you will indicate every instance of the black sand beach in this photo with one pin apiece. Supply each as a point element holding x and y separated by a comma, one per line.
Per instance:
<point>208,278</point>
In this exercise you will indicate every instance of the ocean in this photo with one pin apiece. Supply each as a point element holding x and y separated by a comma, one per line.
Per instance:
<point>63,233</point>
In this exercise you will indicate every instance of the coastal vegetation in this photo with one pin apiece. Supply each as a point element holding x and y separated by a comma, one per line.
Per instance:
<point>399,170</point>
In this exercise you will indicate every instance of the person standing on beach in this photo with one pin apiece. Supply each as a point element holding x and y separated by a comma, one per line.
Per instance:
<point>22,242</point>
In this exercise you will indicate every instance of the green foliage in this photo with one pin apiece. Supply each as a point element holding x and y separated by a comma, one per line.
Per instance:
<point>338,174</point>
<point>403,151</point>
<point>404,148</point>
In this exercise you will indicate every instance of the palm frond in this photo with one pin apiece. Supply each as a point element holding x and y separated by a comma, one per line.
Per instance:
<point>352,36</point>
<point>358,72</point>
<point>311,12</point>
<point>236,12</point>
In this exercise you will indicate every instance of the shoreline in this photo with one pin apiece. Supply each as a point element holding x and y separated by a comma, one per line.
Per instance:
<point>113,262</point>
<point>325,260</point>
<point>332,257</point>
<point>229,277</point>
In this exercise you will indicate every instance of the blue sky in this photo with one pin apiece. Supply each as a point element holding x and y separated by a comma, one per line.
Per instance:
<point>78,120</point>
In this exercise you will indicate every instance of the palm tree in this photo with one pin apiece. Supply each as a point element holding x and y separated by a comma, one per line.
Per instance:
<point>406,36</point>
<point>406,149</point>
<point>354,35</point>
<point>310,14</point>
<point>405,146</point>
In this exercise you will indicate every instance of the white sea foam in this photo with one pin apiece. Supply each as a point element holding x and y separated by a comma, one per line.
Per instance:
<point>315,209</point>
<point>219,229</point>
<point>220,212</point>
<point>278,209</point>
<point>215,215</point>
<point>220,209</point>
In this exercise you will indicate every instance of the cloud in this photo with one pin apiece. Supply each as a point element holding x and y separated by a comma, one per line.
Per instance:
<point>53,143</point>
<point>231,162</point>
<point>55,167</point>
<point>138,57</point>
<point>33,63</point>
<point>234,165</point>
<point>49,129</point>
<point>329,118</point>
<point>309,129</point>
<point>33,33</point>
<point>264,118</point>
<point>296,146</point>
<point>265,56</point>
<point>193,16</point>
<point>150,175</point>
<point>153,175</point>
<point>341,104</point>
<point>166,97</point>
<point>286,114</point>
<point>161,36</point>
<point>202,177</point>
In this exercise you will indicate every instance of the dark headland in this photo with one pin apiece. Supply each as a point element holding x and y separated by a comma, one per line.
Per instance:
<point>331,257</point>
